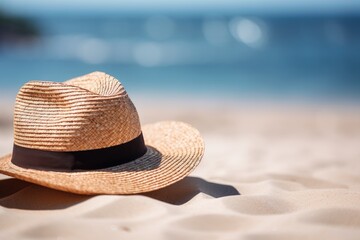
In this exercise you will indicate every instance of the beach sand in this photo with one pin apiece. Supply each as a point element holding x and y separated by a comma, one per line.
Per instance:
<point>270,171</point>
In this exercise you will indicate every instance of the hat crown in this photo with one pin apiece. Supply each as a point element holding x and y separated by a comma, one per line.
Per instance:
<point>89,112</point>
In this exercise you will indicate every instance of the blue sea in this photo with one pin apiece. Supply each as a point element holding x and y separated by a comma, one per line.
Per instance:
<point>276,57</point>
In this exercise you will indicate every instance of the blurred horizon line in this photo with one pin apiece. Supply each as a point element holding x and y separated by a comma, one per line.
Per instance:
<point>177,13</point>
<point>70,8</point>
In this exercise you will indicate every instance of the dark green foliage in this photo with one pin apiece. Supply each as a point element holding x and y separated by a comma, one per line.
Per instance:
<point>16,28</point>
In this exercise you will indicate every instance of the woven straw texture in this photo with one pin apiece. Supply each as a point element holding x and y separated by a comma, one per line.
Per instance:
<point>89,112</point>
<point>93,112</point>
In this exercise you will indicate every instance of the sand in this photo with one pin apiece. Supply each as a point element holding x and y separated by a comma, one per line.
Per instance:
<point>270,171</point>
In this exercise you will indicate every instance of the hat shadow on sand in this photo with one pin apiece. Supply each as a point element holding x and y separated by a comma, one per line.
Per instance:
<point>18,194</point>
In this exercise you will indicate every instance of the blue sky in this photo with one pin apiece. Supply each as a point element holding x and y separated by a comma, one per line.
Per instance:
<point>48,6</point>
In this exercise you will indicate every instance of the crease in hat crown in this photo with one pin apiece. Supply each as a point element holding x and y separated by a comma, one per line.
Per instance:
<point>88,112</point>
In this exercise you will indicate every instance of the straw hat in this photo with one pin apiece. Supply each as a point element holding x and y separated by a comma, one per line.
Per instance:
<point>84,136</point>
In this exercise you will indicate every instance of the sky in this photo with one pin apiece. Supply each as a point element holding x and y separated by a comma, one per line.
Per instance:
<point>50,6</point>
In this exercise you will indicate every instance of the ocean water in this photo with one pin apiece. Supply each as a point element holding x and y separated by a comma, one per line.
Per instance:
<point>305,58</point>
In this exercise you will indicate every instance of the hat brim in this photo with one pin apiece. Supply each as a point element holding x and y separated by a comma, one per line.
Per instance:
<point>174,149</point>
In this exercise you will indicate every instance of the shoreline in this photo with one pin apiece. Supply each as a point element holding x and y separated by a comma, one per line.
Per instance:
<point>213,115</point>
